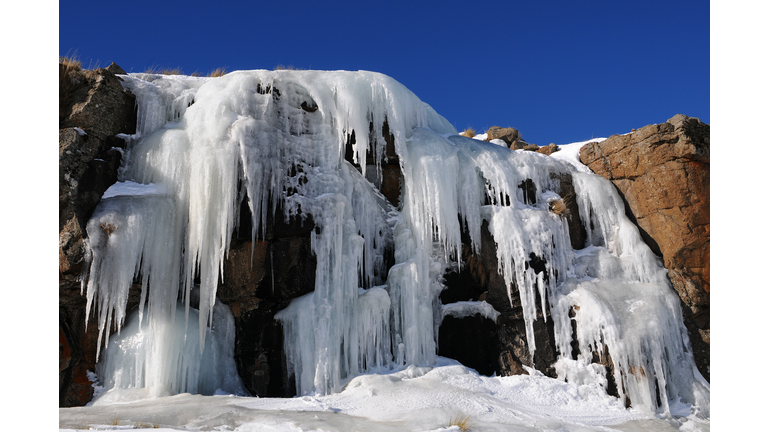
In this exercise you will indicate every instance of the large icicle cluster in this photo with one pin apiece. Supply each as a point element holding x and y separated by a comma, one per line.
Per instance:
<point>276,139</point>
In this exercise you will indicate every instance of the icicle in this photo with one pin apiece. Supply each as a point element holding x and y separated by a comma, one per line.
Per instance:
<point>279,138</point>
<point>163,357</point>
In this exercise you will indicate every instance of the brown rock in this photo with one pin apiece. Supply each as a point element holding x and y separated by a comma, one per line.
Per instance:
<point>662,172</point>
<point>531,147</point>
<point>115,69</point>
<point>548,150</point>
<point>97,109</point>
<point>508,135</point>
<point>99,104</point>
<point>95,103</point>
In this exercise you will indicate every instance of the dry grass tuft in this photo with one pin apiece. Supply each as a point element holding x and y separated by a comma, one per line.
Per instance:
<point>154,69</point>
<point>558,207</point>
<point>468,132</point>
<point>71,63</point>
<point>289,67</point>
<point>69,68</point>
<point>218,72</point>
<point>462,422</point>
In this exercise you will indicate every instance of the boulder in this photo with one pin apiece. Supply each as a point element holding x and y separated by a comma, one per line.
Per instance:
<point>98,104</point>
<point>548,150</point>
<point>510,135</point>
<point>662,173</point>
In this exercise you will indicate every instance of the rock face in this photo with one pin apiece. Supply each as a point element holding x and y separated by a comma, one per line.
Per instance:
<point>94,109</point>
<point>662,172</point>
<point>282,268</point>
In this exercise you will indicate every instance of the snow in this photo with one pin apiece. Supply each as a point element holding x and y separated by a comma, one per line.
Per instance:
<point>463,309</point>
<point>363,342</point>
<point>412,399</point>
<point>499,142</point>
<point>133,189</point>
<point>570,153</point>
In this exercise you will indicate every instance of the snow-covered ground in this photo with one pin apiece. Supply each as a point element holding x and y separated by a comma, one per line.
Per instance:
<point>413,399</point>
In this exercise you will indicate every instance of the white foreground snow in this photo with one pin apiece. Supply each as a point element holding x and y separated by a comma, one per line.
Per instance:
<point>413,399</point>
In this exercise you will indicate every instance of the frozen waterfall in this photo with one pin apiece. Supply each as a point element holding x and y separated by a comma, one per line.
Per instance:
<point>206,145</point>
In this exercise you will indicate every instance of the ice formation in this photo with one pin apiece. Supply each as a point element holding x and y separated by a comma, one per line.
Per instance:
<point>277,140</point>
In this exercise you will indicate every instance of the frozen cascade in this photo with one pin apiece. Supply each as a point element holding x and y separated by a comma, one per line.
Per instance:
<point>131,236</point>
<point>276,140</point>
<point>163,358</point>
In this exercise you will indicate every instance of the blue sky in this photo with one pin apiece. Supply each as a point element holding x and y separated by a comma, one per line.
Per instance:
<point>559,71</point>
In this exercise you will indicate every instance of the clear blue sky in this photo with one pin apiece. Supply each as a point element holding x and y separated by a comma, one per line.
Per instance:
<point>559,71</point>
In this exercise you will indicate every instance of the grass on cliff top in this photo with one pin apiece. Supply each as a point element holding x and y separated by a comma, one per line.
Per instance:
<point>156,70</point>
<point>69,66</point>
<point>468,132</point>
<point>218,72</point>
<point>71,62</point>
<point>289,67</point>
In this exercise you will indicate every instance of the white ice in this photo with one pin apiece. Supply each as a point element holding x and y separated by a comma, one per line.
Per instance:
<point>462,309</point>
<point>133,188</point>
<point>277,139</point>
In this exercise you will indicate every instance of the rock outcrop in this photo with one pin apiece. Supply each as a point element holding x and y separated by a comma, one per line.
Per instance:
<point>662,172</point>
<point>94,108</point>
<point>508,135</point>
<point>515,141</point>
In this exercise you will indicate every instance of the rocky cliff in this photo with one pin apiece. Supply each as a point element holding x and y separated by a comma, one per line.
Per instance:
<point>261,278</point>
<point>662,172</point>
<point>94,109</point>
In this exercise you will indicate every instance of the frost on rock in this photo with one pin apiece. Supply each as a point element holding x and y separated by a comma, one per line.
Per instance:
<point>277,141</point>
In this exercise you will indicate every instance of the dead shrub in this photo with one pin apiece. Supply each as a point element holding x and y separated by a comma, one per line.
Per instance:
<point>468,132</point>
<point>558,207</point>
<point>462,422</point>
<point>289,67</point>
<point>218,72</point>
